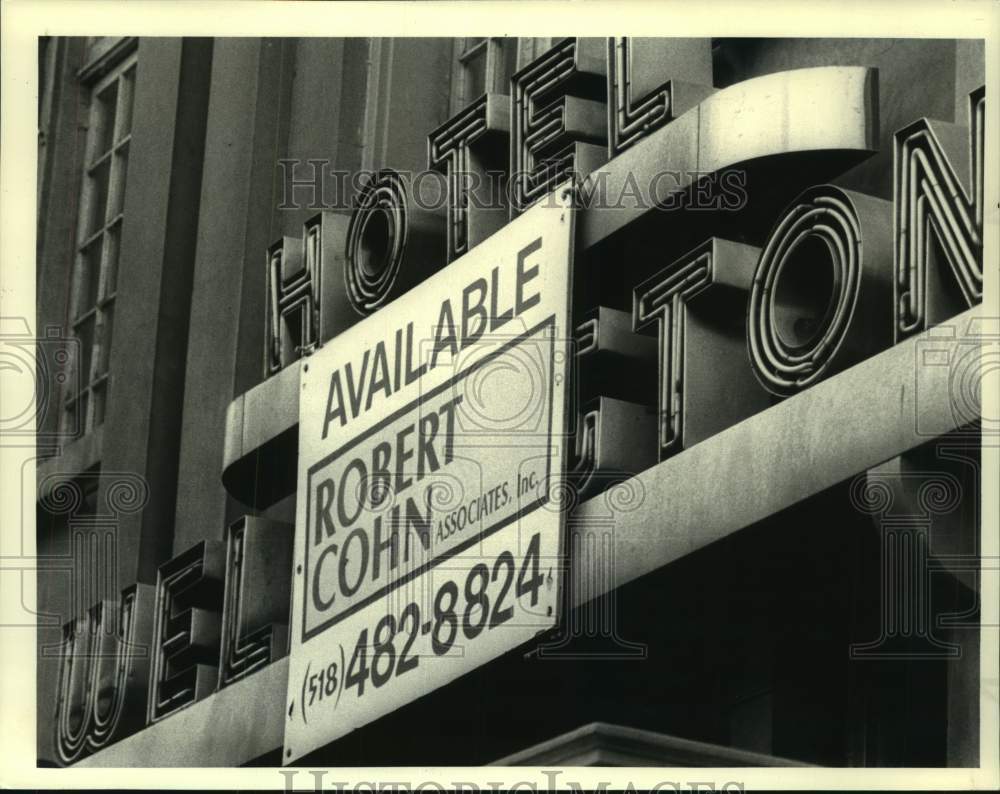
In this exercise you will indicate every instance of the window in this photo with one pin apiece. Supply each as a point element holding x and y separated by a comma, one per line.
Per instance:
<point>482,65</point>
<point>99,230</point>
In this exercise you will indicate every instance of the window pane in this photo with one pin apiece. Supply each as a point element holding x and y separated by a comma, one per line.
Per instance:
<point>126,90</point>
<point>116,191</point>
<point>99,393</point>
<point>90,265</point>
<point>96,198</point>
<point>75,415</point>
<point>104,342</point>
<point>85,335</point>
<point>104,118</point>
<point>112,243</point>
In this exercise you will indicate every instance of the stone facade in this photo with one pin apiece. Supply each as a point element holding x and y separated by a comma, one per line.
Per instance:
<point>749,329</point>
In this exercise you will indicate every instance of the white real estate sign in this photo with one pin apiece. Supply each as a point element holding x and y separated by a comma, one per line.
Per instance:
<point>432,436</point>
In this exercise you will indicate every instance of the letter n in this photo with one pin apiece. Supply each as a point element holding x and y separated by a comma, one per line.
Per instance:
<point>938,184</point>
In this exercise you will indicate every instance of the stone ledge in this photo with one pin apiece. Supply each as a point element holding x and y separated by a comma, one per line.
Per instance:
<point>601,744</point>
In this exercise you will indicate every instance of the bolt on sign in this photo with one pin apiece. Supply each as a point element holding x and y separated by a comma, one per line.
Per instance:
<point>432,441</point>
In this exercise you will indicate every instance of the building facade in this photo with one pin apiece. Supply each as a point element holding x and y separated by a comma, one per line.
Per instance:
<point>758,332</point>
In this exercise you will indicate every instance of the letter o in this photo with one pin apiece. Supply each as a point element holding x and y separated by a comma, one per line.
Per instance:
<point>342,566</point>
